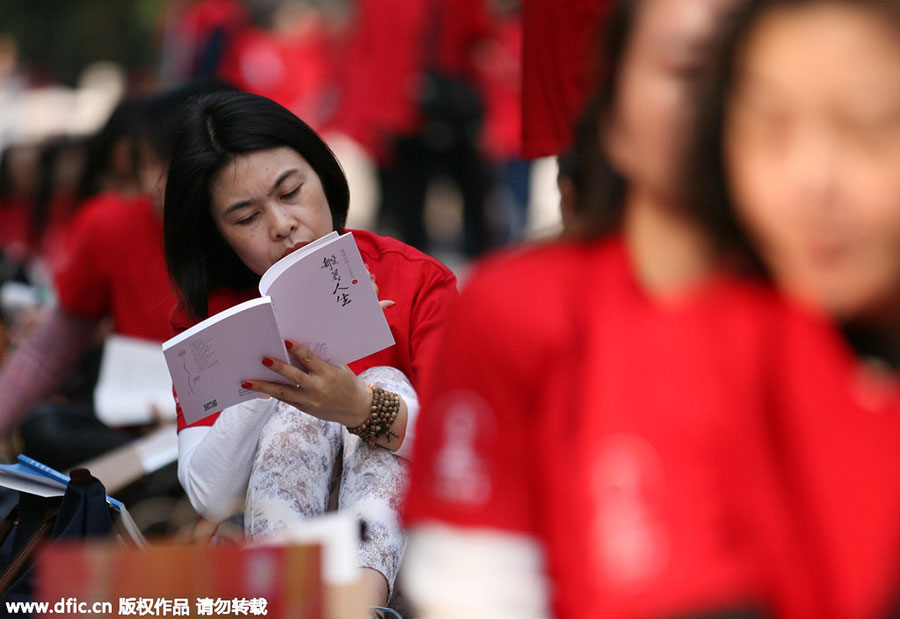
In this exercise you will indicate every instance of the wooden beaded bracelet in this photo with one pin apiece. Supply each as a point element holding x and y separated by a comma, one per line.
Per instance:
<point>385,406</point>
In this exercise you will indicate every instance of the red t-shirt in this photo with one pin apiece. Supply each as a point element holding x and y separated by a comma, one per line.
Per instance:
<point>501,82</point>
<point>194,26</point>
<point>15,233</point>
<point>113,265</point>
<point>424,291</point>
<point>296,70</point>
<point>841,437</point>
<point>624,433</point>
<point>559,59</point>
<point>55,231</point>
<point>384,59</point>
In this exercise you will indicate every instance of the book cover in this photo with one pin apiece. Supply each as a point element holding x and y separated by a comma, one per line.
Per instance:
<point>208,361</point>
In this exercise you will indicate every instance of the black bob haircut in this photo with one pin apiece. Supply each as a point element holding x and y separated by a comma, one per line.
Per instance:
<point>215,130</point>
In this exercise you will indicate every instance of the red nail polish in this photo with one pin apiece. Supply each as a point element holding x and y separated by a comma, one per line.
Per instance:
<point>247,384</point>
<point>289,344</point>
<point>267,362</point>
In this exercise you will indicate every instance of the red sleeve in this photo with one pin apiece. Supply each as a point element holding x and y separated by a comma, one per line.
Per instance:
<point>81,274</point>
<point>428,318</point>
<point>472,454</point>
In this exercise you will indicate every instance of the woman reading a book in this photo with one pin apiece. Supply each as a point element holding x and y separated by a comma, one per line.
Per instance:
<point>248,184</point>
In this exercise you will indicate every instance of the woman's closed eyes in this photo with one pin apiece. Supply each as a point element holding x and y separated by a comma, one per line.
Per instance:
<point>254,216</point>
<point>291,194</point>
<point>248,220</point>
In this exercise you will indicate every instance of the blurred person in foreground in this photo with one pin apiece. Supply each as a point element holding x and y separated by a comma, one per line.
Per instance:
<point>800,145</point>
<point>593,444</point>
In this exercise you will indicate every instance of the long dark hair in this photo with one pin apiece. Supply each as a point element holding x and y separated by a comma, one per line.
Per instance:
<point>709,199</point>
<point>7,184</point>
<point>48,190</point>
<point>599,188</point>
<point>217,128</point>
<point>123,124</point>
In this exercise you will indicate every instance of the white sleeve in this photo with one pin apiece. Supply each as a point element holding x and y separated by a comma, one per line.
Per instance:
<point>392,379</point>
<point>214,462</point>
<point>474,573</point>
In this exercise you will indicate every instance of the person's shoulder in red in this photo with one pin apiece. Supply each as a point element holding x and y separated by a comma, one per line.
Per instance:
<point>103,227</point>
<point>106,221</point>
<point>518,305</point>
<point>474,463</point>
<point>399,268</point>
<point>531,294</point>
<point>391,253</point>
<point>111,209</point>
<point>839,419</point>
<point>423,290</point>
<point>536,406</point>
<point>751,312</point>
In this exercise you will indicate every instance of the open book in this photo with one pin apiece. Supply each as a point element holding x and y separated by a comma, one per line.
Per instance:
<point>28,475</point>
<point>134,385</point>
<point>320,295</point>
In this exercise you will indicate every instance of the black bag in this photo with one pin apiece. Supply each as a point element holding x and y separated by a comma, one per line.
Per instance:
<point>82,512</point>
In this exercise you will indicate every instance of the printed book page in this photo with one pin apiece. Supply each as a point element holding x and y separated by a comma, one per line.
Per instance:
<point>208,361</point>
<point>134,385</point>
<point>325,300</point>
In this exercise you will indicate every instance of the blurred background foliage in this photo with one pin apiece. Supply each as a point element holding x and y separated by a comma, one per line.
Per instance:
<point>58,38</point>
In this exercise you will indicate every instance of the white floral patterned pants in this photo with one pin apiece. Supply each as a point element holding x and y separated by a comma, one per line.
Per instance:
<point>301,459</point>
